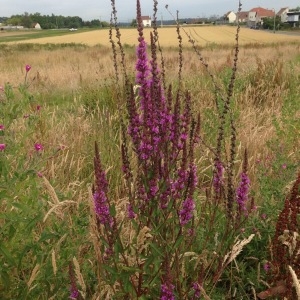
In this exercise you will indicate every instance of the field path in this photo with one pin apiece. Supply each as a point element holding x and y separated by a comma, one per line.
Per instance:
<point>203,35</point>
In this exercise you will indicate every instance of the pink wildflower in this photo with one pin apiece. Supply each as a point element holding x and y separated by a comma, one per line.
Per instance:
<point>27,68</point>
<point>267,267</point>
<point>1,127</point>
<point>38,147</point>
<point>2,147</point>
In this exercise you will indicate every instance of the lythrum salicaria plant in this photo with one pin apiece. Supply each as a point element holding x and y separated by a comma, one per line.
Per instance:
<point>159,249</point>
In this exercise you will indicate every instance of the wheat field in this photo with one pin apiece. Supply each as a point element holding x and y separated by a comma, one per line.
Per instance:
<point>203,35</point>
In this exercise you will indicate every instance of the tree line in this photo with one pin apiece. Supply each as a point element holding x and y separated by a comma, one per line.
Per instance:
<point>52,21</point>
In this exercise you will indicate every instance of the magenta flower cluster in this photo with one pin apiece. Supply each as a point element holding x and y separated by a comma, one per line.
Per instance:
<point>102,208</point>
<point>196,288</point>
<point>242,192</point>
<point>162,137</point>
<point>218,176</point>
<point>167,292</point>
<point>101,203</point>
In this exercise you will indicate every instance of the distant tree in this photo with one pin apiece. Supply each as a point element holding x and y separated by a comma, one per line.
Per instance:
<point>95,23</point>
<point>104,24</point>
<point>14,20</point>
<point>133,23</point>
<point>27,20</point>
<point>268,23</point>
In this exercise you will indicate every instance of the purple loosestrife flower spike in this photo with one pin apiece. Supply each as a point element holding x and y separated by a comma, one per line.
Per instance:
<point>130,212</point>
<point>100,194</point>
<point>74,293</point>
<point>167,292</point>
<point>186,212</point>
<point>196,288</point>
<point>242,192</point>
<point>218,176</point>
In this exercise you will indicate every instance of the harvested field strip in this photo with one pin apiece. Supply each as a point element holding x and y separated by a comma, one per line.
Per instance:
<point>203,36</point>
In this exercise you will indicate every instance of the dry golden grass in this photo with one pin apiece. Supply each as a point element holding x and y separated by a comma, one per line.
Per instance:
<point>66,69</point>
<point>203,35</point>
<point>74,70</point>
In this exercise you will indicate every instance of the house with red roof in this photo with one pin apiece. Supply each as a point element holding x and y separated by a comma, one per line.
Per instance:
<point>146,21</point>
<point>242,16</point>
<point>257,14</point>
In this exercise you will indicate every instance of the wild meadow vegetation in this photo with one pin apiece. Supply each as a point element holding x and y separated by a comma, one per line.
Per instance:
<point>149,173</point>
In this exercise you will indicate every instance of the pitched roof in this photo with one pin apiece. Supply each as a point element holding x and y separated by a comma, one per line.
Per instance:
<point>282,10</point>
<point>262,12</point>
<point>242,15</point>
<point>228,13</point>
<point>145,18</point>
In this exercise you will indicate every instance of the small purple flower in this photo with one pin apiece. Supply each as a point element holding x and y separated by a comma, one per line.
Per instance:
<point>186,212</point>
<point>218,176</point>
<point>263,216</point>
<point>267,267</point>
<point>167,292</point>
<point>74,294</point>
<point>102,208</point>
<point>284,166</point>
<point>27,68</point>
<point>38,147</point>
<point>39,174</point>
<point>130,212</point>
<point>2,147</point>
<point>196,288</point>
<point>242,192</point>
<point>1,127</point>
<point>38,107</point>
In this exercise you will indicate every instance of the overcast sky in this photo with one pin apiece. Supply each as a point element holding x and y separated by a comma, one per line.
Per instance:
<point>100,9</point>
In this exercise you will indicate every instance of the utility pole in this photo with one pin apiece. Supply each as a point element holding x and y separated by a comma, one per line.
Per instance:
<point>274,20</point>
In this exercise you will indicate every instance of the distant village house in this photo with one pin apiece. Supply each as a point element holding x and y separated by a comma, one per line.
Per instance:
<point>36,26</point>
<point>257,14</point>
<point>146,21</point>
<point>282,14</point>
<point>230,17</point>
<point>293,17</point>
<point>242,16</point>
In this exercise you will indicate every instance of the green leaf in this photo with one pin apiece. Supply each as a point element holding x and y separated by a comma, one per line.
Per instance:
<point>6,253</point>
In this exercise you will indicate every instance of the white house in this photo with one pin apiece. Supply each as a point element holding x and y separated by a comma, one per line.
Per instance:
<point>257,14</point>
<point>146,21</point>
<point>36,26</point>
<point>230,17</point>
<point>283,14</point>
<point>293,17</point>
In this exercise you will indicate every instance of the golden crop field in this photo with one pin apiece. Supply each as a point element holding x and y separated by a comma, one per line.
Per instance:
<point>203,35</point>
